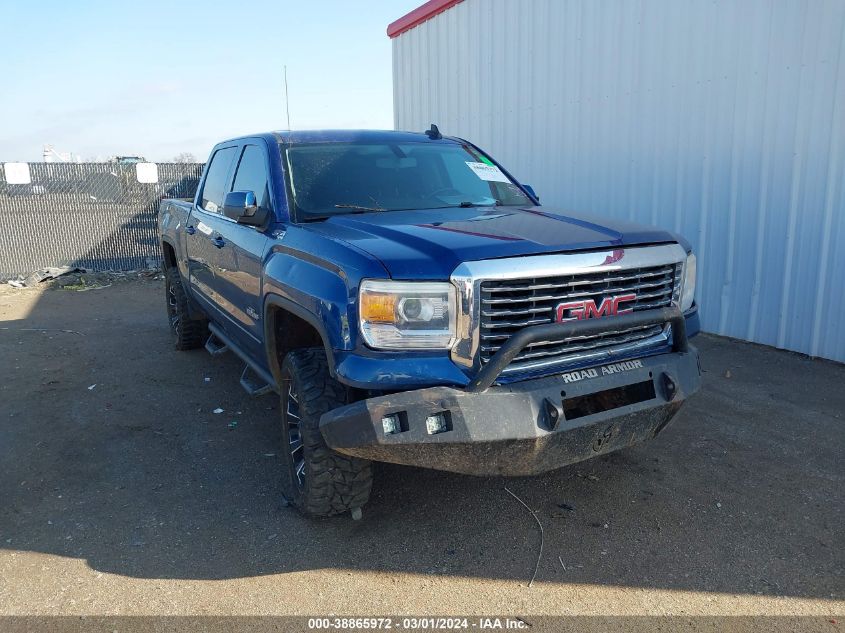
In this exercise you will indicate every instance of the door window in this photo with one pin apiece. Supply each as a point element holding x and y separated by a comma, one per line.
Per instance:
<point>252,175</point>
<point>216,181</point>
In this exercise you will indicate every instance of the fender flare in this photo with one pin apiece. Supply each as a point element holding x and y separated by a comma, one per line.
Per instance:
<point>277,301</point>
<point>166,240</point>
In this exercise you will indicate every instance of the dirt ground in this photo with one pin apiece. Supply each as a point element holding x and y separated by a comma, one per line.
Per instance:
<point>121,492</point>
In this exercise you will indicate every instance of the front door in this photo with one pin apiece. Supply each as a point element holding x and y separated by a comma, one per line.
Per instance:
<point>239,257</point>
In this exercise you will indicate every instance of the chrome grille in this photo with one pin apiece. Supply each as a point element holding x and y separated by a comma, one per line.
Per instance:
<point>507,306</point>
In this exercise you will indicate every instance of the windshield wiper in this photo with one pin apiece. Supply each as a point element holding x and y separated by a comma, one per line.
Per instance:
<point>467,204</point>
<point>358,207</point>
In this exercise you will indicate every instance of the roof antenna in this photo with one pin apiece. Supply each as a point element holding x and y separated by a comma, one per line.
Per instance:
<point>433,133</point>
<point>287,102</point>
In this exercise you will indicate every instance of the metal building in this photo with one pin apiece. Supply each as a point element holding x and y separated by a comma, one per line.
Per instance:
<point>722,120</point>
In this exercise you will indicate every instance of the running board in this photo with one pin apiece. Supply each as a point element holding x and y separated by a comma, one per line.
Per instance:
<point>253,384</point>
<point>258,380</point>
<point>215,346</point>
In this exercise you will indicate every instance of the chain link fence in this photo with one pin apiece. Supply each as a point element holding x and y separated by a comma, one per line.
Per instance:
<point>97,216</point>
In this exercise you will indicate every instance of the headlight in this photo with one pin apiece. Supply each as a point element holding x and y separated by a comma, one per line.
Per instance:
<point>407,314</point>
<point>688,289</point>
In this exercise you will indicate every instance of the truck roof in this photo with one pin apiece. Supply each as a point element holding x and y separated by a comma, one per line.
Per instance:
<point>347,136</point>
<point>339,136</point>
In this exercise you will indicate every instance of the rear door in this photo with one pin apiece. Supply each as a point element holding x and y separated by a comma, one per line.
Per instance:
<point>203,227</point>
<point>237,263</point>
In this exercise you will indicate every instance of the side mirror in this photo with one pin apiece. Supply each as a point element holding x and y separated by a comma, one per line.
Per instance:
<point>242,207</point>
<point>530,190</point>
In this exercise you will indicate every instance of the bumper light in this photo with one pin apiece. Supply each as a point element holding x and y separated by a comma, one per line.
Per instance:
<point>436,424</point>
<point>390,424</point>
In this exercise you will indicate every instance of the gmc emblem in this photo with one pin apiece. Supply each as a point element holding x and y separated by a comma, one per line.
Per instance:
<point>587,309</point>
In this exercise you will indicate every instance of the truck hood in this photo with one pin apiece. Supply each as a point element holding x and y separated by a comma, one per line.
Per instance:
<point>430,244</point>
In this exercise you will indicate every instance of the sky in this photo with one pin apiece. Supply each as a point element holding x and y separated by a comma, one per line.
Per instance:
<point>156,78</point>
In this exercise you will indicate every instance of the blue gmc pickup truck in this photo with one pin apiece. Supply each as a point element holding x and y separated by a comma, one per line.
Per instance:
<point>411,302</point>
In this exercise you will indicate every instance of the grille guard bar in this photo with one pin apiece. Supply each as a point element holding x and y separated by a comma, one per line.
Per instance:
<point>557,332</point>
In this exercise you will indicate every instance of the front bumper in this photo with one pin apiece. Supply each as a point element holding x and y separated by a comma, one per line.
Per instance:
<point>521,428</point>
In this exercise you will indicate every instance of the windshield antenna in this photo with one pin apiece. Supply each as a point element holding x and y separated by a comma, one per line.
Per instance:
<point>433,133</point>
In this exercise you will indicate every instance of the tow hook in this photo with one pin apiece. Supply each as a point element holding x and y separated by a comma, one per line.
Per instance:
<point>554,413</point>
<point>602,439</point>
<point>669,387</point>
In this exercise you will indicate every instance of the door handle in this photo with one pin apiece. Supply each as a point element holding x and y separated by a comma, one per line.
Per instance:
<point>190,230</point>
<point>219,242</point>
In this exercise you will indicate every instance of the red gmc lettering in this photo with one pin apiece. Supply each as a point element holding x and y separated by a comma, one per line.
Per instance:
<point>587,309</point>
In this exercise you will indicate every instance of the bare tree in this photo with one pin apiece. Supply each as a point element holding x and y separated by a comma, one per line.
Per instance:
<point>185,157</point>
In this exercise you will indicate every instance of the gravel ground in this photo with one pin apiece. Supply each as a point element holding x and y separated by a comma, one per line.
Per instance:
<point>123,493</point>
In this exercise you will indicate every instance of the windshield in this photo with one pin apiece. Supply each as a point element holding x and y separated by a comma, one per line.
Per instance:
<point>335,178</point>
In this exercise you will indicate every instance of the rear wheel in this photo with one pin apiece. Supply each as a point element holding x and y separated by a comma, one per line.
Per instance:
<point>317,480</point>
<point>187,333</point>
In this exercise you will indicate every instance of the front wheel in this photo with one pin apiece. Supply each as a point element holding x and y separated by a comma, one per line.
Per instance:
<point>317,480</point>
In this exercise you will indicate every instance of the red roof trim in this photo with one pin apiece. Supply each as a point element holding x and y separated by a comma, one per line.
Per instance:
<point>419,15</point>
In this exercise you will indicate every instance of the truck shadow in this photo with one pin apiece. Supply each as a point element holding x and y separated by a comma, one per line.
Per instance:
<point>138,476</point>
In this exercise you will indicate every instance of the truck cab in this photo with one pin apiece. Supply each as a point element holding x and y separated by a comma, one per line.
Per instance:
<point>412,302</point>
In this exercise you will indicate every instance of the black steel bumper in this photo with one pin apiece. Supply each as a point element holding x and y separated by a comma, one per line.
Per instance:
<point>527,427</point>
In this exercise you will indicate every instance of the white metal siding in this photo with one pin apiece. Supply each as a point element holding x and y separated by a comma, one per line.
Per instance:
<point>723,121</point>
